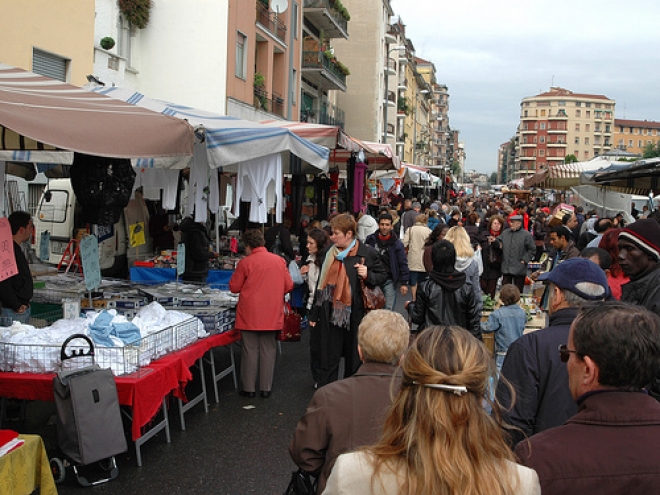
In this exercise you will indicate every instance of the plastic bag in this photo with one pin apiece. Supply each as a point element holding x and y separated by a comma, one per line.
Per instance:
<point>294,271</point>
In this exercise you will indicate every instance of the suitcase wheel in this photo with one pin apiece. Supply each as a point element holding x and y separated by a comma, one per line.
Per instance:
<point>58,469</point>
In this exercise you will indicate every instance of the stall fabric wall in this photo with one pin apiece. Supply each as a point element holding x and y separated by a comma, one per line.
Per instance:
<point>592,197</point>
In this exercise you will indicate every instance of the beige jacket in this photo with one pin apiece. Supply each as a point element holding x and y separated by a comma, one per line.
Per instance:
<point>352,475</point>
<point>414,240</point>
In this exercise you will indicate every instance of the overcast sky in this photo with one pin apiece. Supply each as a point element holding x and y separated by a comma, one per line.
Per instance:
<point>491,54</point>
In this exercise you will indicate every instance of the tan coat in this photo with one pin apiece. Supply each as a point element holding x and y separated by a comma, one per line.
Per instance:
<point>342,416</point>
<point>414,240</point>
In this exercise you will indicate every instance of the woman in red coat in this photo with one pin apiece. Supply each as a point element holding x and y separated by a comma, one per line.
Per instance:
<point>262,279</point>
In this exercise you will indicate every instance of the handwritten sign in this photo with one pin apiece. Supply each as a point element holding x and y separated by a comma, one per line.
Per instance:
<point>180,259</point>
<point>44,245</point>
<point>8,266</point>
<point>89,253</point>
<point>137,234</point>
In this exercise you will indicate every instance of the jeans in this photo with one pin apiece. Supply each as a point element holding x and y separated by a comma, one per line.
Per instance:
<point>10,313</point>
<point>389,289</point>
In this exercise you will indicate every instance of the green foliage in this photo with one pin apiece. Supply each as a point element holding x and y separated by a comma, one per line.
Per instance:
<point>107,43</point>
<point>259,80</point>
<point>570,159</point>
<point>488,302</point>
<point>136,11</point>
<point>493,178</point>
<point>403,105</point>
<point>651,150</point>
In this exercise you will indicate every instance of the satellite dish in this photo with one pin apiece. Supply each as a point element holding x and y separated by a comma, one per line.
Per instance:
<point>279,6</point>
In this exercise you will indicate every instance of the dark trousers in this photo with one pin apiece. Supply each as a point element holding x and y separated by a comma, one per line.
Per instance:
<point>517,280</point>
<point>489,286</point>
<point>335,343</point>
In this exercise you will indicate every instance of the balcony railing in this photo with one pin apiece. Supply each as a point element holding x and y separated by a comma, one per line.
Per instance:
<point>327,114</point>
<point>271,22</point>
<point>277,104</point>
<point>391,98</point>
<point>390,67</point>
<point>331,13</point>
<point>318,60</point>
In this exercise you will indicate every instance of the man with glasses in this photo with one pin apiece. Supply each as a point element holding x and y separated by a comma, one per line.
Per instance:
<point>532,365</point>
<point>612,444</point>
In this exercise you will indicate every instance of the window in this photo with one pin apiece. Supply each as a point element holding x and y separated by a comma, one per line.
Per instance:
<point>125,48</point>
<point>542,125</point>
<point>655,133</point>
<point>639,143</point>
<point>588,105</point>
<point>577,126</point>
<point>597,140</point>
<point>578,113</point>
<point>294,89</point>
<point>607,127</point>
<point>54,210</point>
<point>588,114</point>
<point>585,154</point>
<point>578,104</point>
<point>541,152</point>
<point>644,131</point>
<point>577,140</point>
<point>630,143</point>
<point>294,24</point>
<point>562,103</point>
<point>599,105</point>
<point>542,139</point>
<point>241,59</point>
<point>586,140</point>
<point>636,131</point>
<point>525,113</point>
<point>49,65</point>
<point>587,127</point>
<point>620,143</point>
<point>543,113</point>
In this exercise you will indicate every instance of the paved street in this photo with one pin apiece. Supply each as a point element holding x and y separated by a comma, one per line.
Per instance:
<point>232,450</point>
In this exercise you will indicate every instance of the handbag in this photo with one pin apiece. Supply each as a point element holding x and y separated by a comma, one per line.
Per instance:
<point>301,484</point>
<point>371,298</point>
<point>291,330</point>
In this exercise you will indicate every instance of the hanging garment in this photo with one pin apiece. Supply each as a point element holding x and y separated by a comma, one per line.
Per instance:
<point>155,180</point>
<point>358,186</point>
<point>259,181</point>
<point>322,192</point>
<point>204,192</point>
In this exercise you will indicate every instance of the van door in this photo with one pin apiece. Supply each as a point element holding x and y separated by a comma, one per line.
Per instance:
<point>55,215</point>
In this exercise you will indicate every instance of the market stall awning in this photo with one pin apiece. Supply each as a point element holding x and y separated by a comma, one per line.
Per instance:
<point>341,145</point>
<point>563,175</point>
<point>640,177</point>
<point>43,121</point>
<point>229,141</point>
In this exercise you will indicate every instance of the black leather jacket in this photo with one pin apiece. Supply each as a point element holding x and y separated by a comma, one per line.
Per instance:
<point>438,305</point>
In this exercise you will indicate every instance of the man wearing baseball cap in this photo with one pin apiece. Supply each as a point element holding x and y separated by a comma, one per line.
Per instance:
<point>532,366</point>
<point>639,258</point>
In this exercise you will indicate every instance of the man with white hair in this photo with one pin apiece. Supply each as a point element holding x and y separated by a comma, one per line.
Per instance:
<point>532,365</point>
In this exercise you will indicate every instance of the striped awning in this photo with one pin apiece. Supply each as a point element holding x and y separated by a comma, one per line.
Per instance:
<point>43,121</point>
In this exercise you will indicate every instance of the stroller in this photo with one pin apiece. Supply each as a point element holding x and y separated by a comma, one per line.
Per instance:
<point>89,424</point>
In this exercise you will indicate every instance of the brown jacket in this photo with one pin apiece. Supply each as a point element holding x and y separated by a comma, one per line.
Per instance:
<point>611,446</point>
<point>341,417</point>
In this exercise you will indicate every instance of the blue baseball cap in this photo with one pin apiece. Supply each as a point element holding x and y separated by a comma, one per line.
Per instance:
<point>568,274</point>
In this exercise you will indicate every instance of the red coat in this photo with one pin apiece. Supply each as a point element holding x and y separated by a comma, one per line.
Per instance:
<point>261,279</point>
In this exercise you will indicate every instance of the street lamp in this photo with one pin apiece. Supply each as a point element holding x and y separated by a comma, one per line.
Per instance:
<point>417,93</point>
<point>397,48</point>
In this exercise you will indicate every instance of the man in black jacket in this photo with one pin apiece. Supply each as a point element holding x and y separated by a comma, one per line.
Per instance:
<point>16,291</point>
<point>446,297</point>
<point>393,257</point>
<point>196,240</point>
<point>532,365</point>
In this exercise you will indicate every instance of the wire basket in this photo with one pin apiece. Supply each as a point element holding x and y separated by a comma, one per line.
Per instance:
<point>44,358</point>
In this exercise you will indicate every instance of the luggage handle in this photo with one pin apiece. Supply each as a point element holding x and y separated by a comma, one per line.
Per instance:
<point>63,354</point>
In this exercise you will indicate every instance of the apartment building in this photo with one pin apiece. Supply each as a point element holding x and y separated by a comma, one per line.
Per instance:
<point>635,135</point>
<point>559,123</point>
<point>366,53</point>
<point>323,74</point>
<point>54,39</point>
<point>506,159</point>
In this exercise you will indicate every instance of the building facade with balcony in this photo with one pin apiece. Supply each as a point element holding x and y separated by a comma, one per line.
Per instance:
<point>323,74</point>
<point>635,135</point>
<point>54,39</point>
<point>365,53</point>
<point>559,123</point>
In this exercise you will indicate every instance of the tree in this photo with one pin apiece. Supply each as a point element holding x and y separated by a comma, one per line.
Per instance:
<point>651,150</point>
<point>570,159</point>
<point>493,178</point>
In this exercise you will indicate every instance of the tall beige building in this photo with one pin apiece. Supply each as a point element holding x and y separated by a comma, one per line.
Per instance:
<point>559,123</point>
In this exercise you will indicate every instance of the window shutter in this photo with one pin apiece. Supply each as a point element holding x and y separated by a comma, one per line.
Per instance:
<point>49,65</point>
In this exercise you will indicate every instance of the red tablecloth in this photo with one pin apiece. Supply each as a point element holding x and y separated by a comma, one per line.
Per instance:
<point>142,391</point>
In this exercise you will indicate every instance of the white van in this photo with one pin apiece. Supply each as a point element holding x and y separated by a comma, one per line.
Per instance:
<point>58,213</point>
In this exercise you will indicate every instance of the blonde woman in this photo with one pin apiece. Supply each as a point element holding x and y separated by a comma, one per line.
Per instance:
<point>413,241</point>
<point>465,259</point>
<point>437,438</point>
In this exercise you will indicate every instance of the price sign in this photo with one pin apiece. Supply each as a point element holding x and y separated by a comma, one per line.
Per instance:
<point>8,266</point>
<point>44,244</point>
<point>180,259</point>
<point>89,253</point>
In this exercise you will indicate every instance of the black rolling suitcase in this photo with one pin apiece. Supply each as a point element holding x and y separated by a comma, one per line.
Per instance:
<point>89,424</point>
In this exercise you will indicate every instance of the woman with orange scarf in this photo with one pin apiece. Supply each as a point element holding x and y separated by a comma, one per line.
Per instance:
<point>338,306</point>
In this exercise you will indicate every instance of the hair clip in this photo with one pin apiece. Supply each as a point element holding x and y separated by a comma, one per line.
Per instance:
<point>456,389</point>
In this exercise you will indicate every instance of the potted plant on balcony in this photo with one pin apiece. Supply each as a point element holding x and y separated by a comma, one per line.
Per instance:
<point>260,95</point>
<point>107,43</point>
<point>136,11</point>
<point>403,106</point>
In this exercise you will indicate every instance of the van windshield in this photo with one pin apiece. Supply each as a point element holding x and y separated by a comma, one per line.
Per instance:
<point>55,209</point>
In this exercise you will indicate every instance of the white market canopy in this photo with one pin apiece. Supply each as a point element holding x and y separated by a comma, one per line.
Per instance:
<point>229,141</point>
<point>564,175</point>
<point>44,121</point>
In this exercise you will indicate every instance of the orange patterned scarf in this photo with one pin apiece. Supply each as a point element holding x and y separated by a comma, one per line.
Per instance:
<point>334,286</point>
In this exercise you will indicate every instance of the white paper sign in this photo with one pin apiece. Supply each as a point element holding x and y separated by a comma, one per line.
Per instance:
<point>180,259</point>
<point>8,266</point>
<point>89,253</point>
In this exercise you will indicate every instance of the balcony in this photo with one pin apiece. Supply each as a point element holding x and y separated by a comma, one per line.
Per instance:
<point>270,22</point>
<point>390,67</point>
<point>560,115</point>
<point>557,131</point>
<point>403,85</point>
<point>528,145</point>
<point>556,144</point>
<point>324,16</point>
<point>390,99</point>
<point>528,131</point>
<point>277,104</point>
<point>325,113</point>
<point>324,72</point>
<point>556,158</point>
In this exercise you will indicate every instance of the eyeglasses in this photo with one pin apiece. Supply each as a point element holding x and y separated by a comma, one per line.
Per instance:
<point>565,353</point>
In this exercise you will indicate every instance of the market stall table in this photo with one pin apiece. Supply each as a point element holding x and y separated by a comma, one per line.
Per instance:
<point>215,278</point>
<point>26,468</point>
<point>143,391</point>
